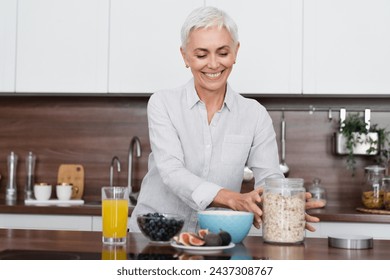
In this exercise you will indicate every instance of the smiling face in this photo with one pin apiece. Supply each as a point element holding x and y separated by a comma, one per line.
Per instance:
<point>210,53</point>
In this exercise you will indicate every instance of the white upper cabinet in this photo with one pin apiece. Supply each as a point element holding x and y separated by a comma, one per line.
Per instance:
<point>270,56</point>
<point>145,45</point>
<point>7,45</point>
<point>62,46</point>
<point>346,47</point>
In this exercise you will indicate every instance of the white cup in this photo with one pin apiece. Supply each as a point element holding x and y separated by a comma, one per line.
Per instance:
<point>64,192</point>
<point>42,192</point>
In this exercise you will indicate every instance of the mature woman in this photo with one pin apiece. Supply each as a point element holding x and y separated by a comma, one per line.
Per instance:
<point>203,133</point>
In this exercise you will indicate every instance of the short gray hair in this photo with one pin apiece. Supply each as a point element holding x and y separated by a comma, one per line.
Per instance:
<point>206,17</point>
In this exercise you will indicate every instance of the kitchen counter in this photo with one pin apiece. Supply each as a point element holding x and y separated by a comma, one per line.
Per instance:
<point>41,244</point>
<point>90,209</point>
<point>327,214</point>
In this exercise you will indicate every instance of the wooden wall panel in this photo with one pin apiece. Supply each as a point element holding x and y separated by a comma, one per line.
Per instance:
<point>91,130</point>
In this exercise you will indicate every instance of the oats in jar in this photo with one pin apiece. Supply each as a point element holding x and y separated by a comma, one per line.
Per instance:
<point>283,218</point>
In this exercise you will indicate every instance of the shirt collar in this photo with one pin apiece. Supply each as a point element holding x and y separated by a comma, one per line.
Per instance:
<point>193,98</point>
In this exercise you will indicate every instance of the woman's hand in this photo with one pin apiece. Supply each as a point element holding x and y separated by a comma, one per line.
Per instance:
<point>312,205</point>
<point>249,202</point>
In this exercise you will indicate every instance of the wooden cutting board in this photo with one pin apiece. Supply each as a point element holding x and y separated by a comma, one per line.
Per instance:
<point>374,211</point>
<point>72,174</point>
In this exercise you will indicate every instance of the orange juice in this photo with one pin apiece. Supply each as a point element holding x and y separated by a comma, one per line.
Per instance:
<point>114,216</point>
<point>114,253</point>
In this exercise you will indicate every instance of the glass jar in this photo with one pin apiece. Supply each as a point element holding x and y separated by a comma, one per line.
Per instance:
<point>284,211</point>
<point>372,193</point>
<point>386,192</point>
<point>318,193</point>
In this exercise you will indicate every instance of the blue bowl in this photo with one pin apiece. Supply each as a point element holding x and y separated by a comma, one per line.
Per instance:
<point>237,223</point>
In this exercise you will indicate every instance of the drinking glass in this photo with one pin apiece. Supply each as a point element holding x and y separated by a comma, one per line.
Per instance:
<point>115,209</point>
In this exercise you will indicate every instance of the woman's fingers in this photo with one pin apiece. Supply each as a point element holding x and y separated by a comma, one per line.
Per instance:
<point>309,227</point>
<point>310,219</point>
<point>314,204</point>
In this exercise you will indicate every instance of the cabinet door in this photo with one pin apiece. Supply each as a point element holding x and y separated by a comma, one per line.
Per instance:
<point>346,47</point>
<point>7,45</point>
<point>145,45</point>
<point>270,55</point>
<point>46,222</point>
<point>62,46</point>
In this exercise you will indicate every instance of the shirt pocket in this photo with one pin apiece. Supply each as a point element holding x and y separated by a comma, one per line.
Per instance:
<point>235,149</point>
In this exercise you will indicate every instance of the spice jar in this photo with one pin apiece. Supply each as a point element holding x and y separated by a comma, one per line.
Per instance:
<point>386,192</point>
<point>318,193</point>
<point>372,193</point>
<point>284,211</point>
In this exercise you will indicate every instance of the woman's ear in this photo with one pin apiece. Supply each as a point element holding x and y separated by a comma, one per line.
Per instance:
<point>183,54</point>
<point>236,52</point>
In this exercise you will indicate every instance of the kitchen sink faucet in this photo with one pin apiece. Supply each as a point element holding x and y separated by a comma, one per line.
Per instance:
<point>134,141</point>
<point>118,164</point>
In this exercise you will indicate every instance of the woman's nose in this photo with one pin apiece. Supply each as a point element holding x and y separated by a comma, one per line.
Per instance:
<point>213,62</point>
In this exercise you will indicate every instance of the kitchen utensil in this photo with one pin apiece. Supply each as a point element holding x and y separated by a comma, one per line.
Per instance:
<point>72,174</point>
<point>283,165</point>
<point>373,211</point>
<point>30,171</point>
<point>248,174</point>
<point>12,161</point>
<point>351,242</point>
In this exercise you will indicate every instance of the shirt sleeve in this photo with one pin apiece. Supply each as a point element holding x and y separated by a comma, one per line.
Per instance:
<point>168,154</point>
<point>263,157</point>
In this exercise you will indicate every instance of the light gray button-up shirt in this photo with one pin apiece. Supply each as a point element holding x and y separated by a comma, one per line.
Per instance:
<point>191,160</point>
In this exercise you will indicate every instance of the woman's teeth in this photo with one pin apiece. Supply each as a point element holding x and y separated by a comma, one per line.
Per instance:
<point>213,75</point>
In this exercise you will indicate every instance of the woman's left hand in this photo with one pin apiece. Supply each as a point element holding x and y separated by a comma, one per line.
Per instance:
<point>312,205</point>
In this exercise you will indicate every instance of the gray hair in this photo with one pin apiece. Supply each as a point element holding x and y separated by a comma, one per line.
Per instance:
<point>206,17</point>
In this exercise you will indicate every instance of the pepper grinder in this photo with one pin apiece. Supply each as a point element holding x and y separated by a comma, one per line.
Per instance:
<point>11,184</point>
<point>30,172</point>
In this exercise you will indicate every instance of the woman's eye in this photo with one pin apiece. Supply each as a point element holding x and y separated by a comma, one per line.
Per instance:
<point>201,56</point>
<point>223,54</point>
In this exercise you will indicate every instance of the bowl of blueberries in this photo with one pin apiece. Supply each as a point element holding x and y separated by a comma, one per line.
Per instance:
<point>160,227</point>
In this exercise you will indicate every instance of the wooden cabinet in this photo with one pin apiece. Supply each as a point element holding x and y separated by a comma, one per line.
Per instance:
<point>62,46</point>
<point>270,55</point>
<point>8,13</point>
<point>50,222</point>
<point>325,47</point>
<point>346,47</point>
<point>145,45</point>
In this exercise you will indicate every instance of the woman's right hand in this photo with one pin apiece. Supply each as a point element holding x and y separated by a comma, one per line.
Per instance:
<point>248,202</point>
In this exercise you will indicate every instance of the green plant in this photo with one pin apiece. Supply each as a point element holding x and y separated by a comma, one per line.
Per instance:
<point>353,129</point>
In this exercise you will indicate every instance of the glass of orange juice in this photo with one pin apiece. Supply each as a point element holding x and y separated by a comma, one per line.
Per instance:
<point>115,209</point>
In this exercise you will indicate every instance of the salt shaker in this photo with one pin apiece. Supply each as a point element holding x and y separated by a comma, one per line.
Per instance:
<point>11,191</point>
<point>30,172</point>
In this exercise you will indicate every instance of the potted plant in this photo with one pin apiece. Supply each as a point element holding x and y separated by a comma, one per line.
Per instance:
<point>358,138</point>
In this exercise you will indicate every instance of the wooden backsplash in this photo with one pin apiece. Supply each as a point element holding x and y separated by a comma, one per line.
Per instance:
<point>91,130</point>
